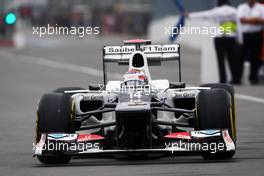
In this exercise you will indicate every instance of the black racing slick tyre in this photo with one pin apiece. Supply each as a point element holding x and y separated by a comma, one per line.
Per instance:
<point>54,115</point>
<point>230,89</point>
<point>213,111</point>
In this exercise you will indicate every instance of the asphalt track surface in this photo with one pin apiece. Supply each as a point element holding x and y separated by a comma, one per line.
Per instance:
<point>47,64</point>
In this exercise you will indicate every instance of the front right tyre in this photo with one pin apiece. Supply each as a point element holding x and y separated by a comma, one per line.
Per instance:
<point>54,115</point>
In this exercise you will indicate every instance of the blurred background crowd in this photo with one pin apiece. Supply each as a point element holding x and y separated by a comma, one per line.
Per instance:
<point>112,16</point>
<point>240,38</point>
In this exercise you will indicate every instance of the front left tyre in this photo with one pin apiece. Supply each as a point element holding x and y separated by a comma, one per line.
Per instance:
<point>214,111</point>
<point>230,89</point>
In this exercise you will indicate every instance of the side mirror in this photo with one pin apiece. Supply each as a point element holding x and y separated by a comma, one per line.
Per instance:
<point>98,87</point>
<point>177,85</point>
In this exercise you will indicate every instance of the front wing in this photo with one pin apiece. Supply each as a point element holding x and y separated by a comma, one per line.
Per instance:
<point>93,144</point>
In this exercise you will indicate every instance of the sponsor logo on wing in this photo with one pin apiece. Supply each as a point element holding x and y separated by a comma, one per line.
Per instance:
<point>185,94</point>
<point>89,137</point>
<point>179,135</point>
<point>228,141</point>
<point>56,136</point>
<point>205,133</point>
<point>62,137</point>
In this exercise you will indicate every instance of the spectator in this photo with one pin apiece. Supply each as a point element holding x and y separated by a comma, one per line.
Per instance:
<point>225,43</point>
<point>250,19</point>
<point>262,52</point>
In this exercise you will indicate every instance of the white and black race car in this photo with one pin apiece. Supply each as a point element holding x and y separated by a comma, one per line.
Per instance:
<point>136,116</point>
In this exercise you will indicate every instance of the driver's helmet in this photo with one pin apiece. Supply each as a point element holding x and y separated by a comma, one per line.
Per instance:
<point>135,77</point>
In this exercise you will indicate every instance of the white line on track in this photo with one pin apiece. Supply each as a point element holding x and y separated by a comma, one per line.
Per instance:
<point>59,65</point>
<point>249,98</point>
<point>89,70</point>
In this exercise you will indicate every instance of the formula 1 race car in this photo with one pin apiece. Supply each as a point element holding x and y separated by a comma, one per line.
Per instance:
<point>136,116</point>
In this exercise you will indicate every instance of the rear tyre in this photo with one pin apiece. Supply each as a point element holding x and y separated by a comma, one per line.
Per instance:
<point>214,112</point>
<point>54,115</point>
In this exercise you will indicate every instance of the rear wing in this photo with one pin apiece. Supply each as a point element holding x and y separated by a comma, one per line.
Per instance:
<point>155,54</point>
